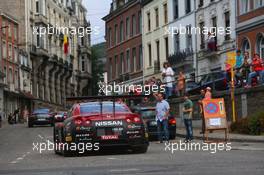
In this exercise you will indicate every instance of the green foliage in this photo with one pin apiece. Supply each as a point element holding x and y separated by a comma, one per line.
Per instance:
<point>253,125</point>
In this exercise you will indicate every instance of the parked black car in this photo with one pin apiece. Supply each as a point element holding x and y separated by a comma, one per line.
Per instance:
<point>42,116</point>
<point>148,114</point>
<point>218,81</point>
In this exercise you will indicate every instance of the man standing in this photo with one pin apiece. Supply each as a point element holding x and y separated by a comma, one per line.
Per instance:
<point>187,116</point>
<point>162,113</point>
<point>202,95</point>
<point>168,75</point>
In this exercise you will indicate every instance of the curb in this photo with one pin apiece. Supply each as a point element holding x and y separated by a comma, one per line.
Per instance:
<point>230,139</point>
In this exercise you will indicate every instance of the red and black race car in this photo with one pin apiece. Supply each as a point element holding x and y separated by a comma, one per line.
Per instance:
<point>101,124</point>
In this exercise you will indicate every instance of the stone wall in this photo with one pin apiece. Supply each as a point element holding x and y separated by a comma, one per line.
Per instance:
<point>248,101</point>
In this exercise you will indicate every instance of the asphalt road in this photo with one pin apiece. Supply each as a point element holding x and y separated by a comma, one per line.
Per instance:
<point>17,157</point>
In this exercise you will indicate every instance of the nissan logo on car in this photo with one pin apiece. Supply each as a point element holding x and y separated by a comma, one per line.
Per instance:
<point>109,123</point>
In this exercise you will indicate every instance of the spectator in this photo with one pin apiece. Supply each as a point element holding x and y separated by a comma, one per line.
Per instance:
<point>208,94</point>
<point>16,115</point>
<point>202,95</point>
<point>187,116</point>
<point>168,75</point>
<point>211,43</point>
<point>162,114</point>
<point>239,59</point>
<point>257,70</point>
<point>245,68</point>
<point>181,84</point>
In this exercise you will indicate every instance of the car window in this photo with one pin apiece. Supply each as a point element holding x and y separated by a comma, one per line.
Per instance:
<point>106,108</point>
<point>41,111</point>
<point>148,114</point>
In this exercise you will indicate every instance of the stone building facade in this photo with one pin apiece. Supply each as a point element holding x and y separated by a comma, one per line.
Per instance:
<point>54,74</point>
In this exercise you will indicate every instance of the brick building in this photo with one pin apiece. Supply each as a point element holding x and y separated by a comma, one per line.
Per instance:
<point>250,26</point>
<point>9,62</point>
<point>123,41</point>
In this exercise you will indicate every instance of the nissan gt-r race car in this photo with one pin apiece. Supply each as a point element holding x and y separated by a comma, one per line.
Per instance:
<point>100,124</point>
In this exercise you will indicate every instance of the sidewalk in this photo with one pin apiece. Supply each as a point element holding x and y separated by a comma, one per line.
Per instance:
<point>180,132</point>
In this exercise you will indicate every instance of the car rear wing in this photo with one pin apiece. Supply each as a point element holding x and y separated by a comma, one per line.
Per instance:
<point>101,99</point>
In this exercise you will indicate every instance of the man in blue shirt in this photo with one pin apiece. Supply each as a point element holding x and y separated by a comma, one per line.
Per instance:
<point>162,113</point>
<point>239,60</point>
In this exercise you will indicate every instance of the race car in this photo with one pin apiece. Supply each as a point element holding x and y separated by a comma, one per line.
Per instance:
<point>103,124</point>
<point>60,116</point>
<point>148,114</point>
<point>41,116</point>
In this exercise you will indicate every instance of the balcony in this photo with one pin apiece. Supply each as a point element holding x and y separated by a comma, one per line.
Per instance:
<point>182,60</point>
<point>209,50</point>
<point>124,77</point>
<point>41,19</point>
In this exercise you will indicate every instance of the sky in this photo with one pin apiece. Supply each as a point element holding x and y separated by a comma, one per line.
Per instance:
<point>96,9</point>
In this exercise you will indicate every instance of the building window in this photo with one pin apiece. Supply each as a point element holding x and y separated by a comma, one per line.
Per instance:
<point>166,47</point>
<point>244,6</point>
<point>158,51</point>
<point>116,66</point>
<point>149,21</point>
<point>116,35</point>
<point>157,17</point>
<point>128,60</point>
<point>5,73</point>
<point>150,55</point>
<point>227,24</point>
<point>122,63</point>
<point>110,37</point>
<point>10,51</point>
<point>201,3</point>
<point>258,3</point>
<point>15,32</point>
<point>9,31</point>
<point>121,31</point>
<point>187,6</point>
<point>165,8</point>
<point>202,46</point>
<point>4,50</point>
<point>176,9</point>
<point>134,57</point>
<point>176,42</point>
<point>140,65</point>
<point>37,6</point>
<point>83,64</point>
<point>139,22</point>
<point>110,69</point>
<point>260,45</point>
<point>189,37</point>
<point>134,25</point>
<point>245,46</point>
<point>15,54</point>
<point>127,28</point>
<point>10,77</point>
<point>16,79</point>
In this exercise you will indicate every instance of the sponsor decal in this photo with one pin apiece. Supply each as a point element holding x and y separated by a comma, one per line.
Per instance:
<point>109,137</point>
<point>109,123</point>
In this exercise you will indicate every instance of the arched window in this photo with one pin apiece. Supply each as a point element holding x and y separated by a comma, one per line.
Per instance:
<point>245,46</point>
<point>260,45</point>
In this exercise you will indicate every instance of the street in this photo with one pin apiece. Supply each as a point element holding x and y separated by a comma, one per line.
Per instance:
<point>18,157</point>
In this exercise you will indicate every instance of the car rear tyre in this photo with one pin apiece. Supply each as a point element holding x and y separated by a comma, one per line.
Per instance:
<point>140,149</point>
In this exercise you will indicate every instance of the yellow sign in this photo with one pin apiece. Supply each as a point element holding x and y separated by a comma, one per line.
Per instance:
<point>231,58</point>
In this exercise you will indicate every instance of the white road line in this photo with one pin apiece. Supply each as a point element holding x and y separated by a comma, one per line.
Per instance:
<point>40,137</point>
<point>20,158</point>
<point>124,170</point>
<point>13,162</point>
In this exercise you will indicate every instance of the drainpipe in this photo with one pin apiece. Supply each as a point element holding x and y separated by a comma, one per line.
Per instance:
<point>195,49</point>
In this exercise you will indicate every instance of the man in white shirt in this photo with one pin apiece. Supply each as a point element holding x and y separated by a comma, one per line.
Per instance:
<point>168,76</point>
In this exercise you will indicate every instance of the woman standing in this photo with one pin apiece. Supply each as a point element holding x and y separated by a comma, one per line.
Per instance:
<point>181,84</point>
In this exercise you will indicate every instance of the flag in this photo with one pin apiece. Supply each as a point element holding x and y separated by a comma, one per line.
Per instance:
<point>66,44</point>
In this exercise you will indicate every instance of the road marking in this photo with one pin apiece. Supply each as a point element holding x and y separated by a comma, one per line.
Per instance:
<point>40,137</point>
<point>124,170</point>
<point>13,162</point>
